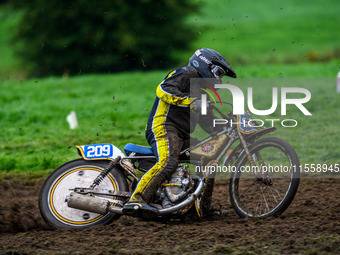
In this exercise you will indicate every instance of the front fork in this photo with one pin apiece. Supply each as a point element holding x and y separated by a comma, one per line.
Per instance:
<point>245,147</point>
<point>265,179</point>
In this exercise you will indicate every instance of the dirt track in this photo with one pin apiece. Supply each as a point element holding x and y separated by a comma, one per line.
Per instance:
<point>311,225</point>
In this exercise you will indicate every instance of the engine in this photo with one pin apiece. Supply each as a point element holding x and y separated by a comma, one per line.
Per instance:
<point>178,186</point>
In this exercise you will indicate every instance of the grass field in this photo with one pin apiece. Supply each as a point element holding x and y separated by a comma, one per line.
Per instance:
<point>260,32</point>
<point>294,39</point>
<point>271,32</point>
<point>114,108</point>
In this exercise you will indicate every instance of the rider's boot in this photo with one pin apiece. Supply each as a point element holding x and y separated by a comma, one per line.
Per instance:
<point>219,211</point>
<point>139,209</point>
<point>209,210</point>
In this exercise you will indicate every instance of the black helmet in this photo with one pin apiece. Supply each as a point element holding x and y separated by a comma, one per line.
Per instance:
<point>211,64</point>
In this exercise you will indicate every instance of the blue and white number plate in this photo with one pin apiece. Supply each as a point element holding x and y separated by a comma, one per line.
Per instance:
<point>99,151</point>
<point>95,151</point>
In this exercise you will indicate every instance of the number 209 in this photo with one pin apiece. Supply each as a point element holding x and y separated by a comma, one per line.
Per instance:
<point>98,151</point>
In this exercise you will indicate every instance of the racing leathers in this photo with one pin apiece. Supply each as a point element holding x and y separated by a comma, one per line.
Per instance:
<point>170,123</point>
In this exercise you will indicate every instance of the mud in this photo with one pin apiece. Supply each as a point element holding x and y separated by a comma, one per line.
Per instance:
<point>311,225</point>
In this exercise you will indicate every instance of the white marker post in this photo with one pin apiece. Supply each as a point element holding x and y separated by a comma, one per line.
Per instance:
<point>72,120</point>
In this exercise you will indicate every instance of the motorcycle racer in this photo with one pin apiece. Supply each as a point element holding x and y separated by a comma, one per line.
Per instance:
<point>169,126</point>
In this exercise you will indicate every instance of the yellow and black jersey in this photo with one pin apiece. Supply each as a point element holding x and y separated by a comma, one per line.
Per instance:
<point>172,104</point>
<point>169,126</point>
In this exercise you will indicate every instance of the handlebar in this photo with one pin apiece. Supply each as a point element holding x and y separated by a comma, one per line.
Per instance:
<point>219,111</point>
<point>212,106</point>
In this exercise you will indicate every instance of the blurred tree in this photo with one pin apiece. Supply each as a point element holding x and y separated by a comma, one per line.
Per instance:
<point>80,36</point>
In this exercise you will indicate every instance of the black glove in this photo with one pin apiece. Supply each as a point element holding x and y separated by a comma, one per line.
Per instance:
<point>196,105</point>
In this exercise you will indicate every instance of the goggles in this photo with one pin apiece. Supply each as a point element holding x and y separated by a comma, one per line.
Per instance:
<point>218,72</point>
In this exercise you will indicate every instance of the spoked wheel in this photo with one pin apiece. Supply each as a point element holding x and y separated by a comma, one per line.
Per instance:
<point>76,174</point>
<point>268,188</point>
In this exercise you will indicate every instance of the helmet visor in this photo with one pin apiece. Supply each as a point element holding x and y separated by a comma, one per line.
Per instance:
<point>218,72</point>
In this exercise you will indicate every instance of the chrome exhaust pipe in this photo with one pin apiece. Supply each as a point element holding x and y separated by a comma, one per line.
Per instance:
<point>187,201</point>
<point>88,203</point>
<point>174,208</point>
<point>102,206</point>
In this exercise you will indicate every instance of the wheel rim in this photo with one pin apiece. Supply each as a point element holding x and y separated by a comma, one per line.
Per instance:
<point>261,194</point>
<point>76,177</point>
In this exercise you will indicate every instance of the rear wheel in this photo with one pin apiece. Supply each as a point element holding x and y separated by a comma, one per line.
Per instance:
<point>78,173</point>
<point>268,188</point>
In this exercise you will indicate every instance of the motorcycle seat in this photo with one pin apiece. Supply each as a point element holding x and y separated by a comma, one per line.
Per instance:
<point>138,149</point>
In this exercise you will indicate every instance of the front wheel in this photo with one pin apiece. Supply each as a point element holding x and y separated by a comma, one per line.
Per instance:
<point>76,174</point>
<point>269,187</point>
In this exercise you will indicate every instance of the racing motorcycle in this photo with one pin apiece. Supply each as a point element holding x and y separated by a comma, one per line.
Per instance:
<point>90,191</point>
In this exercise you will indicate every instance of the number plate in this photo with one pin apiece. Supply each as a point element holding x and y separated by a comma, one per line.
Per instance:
<point>98,151</point>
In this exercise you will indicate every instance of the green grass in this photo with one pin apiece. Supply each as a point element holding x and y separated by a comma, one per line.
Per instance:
<point>256,32</point>
<point>34,134</point>
<point>261,39</point>
<point>270,31</point>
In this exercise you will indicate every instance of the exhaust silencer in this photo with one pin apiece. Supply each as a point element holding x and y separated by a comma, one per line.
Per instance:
<point>88,203</point>
<point>102,206</point>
